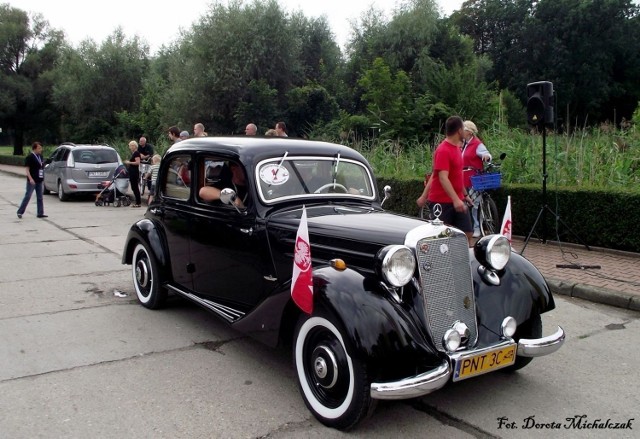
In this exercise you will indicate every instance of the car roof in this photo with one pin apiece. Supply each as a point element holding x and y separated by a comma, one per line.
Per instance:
<point>255,149</point>
<point>82,145</point>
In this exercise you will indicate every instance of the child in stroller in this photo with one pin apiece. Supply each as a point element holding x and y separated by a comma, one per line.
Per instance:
<point>114,191</point>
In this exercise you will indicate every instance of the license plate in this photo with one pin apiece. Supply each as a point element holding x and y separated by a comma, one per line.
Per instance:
<point>98,174</point>
<point>474,365</point>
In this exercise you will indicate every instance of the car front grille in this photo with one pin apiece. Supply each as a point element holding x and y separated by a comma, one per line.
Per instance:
<point>447,287</point>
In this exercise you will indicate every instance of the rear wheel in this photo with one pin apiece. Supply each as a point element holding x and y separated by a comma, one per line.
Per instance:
<point>62,196</point>
<point>335,386</point>
<point>146,278</point>
<point>488,217</point>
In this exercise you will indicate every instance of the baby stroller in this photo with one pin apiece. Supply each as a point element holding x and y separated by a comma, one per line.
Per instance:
<point>114,191</point>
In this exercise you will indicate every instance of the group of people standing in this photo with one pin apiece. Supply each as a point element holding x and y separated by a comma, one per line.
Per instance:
<point>448,185</point>
<point>280,130</point>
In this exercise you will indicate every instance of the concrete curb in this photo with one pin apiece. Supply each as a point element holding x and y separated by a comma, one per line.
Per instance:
<point>595,294</point>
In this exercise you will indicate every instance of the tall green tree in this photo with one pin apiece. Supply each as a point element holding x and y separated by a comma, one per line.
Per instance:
<point>29,49</point>
<point>95,84</point>
<point>587,48</point>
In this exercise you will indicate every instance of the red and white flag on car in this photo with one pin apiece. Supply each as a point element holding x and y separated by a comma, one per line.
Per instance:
<point>505,230</point>
<point>302,279</point>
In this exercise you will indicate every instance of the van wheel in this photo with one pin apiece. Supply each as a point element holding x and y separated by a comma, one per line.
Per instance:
<point>61,195</point>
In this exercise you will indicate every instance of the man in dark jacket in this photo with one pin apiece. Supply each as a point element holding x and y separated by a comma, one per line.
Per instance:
<point>34,168</point>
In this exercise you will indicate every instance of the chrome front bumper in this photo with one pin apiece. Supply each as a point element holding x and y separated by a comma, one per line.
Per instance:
<point>433,380</point>
<point>541,346</point>
<point>414,386</point>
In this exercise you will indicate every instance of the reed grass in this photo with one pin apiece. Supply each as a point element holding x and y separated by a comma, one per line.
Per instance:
<point>586,158</point>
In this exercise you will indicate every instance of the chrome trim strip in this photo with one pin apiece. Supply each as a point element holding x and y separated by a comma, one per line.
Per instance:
<point>227,313</point>
<point>414,386</point>
<point>541,346</point>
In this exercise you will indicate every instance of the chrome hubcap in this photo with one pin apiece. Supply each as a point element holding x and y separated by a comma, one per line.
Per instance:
<point>325,367</point>
<point>142,274</point>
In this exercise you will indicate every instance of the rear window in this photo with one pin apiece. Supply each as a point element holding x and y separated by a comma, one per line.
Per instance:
<point>95,156</point>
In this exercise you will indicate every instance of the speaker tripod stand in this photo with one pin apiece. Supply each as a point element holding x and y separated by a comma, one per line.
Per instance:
<point>545,207</point>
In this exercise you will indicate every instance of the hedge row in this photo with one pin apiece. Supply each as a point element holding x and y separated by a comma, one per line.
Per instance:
<point>595,217</point>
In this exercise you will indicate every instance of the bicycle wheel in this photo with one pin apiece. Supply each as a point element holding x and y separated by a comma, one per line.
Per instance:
<point>488,216</point>
<point>143,185</point>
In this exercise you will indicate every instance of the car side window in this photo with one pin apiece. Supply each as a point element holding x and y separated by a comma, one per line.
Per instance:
<point>217,174</point>
<point>177,178</point>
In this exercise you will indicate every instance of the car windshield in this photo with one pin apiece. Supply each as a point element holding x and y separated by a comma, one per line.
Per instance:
<point>283,178</point>
<point>95,156</point>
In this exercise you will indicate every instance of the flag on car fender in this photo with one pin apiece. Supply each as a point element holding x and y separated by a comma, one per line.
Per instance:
<point>302,278</point>
<point>505,230</point>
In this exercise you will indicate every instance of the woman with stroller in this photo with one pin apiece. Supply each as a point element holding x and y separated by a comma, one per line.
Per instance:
<point>133,165</point>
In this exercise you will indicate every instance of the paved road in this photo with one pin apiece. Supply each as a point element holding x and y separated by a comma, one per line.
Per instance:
<point>76,361</point>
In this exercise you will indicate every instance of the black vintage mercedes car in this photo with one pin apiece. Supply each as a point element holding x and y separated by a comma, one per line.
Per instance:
<point>401,306</point>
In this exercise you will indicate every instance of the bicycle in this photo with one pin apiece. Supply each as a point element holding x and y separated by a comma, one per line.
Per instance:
<point>144,182</point>
<point>481,183</point>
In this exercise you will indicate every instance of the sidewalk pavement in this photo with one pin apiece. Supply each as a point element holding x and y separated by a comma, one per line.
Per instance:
<point>569,269</point>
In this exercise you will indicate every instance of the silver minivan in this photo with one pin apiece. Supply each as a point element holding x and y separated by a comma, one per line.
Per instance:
<point>74,169</point>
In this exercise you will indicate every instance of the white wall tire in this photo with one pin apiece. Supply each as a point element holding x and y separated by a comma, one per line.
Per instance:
<point>146,279</point>
<point>335,386</point>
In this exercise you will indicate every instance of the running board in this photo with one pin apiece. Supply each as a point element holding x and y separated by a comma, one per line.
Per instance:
<point>229,314</point>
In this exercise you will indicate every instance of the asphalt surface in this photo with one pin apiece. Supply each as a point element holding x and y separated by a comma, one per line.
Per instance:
<point>599,275</point>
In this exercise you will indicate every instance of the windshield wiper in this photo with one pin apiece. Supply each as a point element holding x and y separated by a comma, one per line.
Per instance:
<point>335,171</point>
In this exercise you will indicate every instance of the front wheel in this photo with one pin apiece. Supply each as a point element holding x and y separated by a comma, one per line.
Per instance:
<point>488,216</point>
<point>335,387</point>
<point>146,278</point>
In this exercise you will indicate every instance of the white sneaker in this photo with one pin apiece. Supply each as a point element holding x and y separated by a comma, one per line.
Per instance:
<point>476,233</point>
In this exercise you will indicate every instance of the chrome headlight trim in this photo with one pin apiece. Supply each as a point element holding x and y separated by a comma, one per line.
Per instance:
<point>397,265</point>
<point>493,252</point>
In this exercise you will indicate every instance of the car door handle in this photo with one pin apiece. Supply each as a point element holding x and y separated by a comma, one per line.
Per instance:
<point>248,231</point>
<point>157,211</point>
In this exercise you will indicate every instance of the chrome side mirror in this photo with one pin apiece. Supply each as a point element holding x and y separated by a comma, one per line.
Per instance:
<point>228,196</point>
<point>387,194</point>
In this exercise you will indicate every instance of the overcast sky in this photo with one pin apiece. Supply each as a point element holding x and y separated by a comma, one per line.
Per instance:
<point>159,22</point>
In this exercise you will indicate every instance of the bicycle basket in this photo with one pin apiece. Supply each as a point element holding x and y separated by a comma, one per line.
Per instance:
<point>486,181</point>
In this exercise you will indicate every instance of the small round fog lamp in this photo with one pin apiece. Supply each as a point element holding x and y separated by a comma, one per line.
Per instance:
<point>451,340</point>
<point>509,326</point>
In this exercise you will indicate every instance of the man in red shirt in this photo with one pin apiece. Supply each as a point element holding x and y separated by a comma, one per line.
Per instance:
<point>447,183</point>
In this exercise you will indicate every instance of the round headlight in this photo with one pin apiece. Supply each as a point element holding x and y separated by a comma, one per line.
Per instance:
<point>493,251</point>
<point>398,265</point>
<point>498,252</point>
<point>451,340</point>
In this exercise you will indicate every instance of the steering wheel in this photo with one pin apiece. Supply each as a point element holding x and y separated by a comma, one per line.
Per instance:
<point>328,185</point>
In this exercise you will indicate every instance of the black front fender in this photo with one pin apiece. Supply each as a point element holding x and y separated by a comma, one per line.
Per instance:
<point>378,329</point>
<point>521,293</point>
<point>146,231</point>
